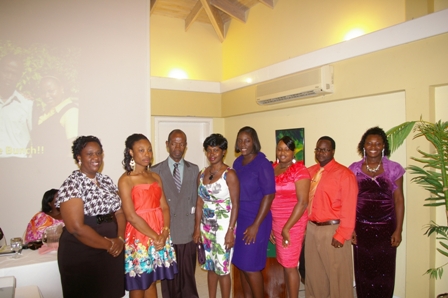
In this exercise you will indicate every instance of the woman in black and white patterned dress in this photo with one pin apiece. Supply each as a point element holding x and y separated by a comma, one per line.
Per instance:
<point>90,254</point>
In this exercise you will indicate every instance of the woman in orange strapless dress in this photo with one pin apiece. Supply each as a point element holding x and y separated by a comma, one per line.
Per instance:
<point>149,254</point>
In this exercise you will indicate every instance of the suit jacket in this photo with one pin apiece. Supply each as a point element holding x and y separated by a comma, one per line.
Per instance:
<point>181,203</point>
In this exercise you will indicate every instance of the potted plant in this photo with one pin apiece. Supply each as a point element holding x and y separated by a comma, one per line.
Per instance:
<point>431,175</point>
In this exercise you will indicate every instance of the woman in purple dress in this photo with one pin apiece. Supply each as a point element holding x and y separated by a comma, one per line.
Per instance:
<point>254,223</point>
<point>379,216</point>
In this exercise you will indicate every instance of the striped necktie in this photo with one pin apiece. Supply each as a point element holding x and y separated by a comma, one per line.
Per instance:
<point>176,176</point>
<point>313,186</point>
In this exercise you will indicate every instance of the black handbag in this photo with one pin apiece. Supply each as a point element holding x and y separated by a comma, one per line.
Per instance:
<point>201,253</point>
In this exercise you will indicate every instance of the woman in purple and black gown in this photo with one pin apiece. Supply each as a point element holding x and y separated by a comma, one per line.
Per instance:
<point>379,216</point>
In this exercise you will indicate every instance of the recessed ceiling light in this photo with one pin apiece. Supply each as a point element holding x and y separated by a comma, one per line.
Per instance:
<point>178,74</point>
<point>353,33</point>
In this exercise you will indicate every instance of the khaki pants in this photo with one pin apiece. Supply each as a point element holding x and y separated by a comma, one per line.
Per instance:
<point>329,270</point>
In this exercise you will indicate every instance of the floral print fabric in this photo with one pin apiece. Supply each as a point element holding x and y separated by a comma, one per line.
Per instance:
<point>143,263</point>
<point>215,223</point>
<point>37,226</point>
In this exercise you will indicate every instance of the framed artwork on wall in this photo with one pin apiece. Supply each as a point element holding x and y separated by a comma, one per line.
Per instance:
<point>298,135</point>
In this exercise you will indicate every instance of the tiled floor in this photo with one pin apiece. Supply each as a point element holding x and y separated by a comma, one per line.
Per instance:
<point>201,282</point>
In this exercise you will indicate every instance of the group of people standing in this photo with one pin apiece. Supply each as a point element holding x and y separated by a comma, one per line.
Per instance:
<point>149,226</point>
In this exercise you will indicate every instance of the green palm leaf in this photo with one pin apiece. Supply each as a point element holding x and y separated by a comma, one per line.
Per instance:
<point>432,175</point>
<point>398,134</point>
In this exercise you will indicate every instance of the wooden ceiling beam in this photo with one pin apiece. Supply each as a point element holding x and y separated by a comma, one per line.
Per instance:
<point>215,19</point>
<point>237,12</point>
<point>193,15</point>
<point>152,5</point>
<point>269,3</point>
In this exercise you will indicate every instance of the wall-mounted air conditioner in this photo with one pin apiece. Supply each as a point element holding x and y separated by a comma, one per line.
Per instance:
<point>309,83</point>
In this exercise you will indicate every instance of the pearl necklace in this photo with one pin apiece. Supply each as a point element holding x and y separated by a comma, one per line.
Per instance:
<point>93,180</point>
<point>373,170</point>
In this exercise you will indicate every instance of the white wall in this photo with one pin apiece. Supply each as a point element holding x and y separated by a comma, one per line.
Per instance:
<point>112,39</point>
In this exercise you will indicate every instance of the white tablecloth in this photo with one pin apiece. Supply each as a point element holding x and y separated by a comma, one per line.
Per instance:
<point>34,269</point>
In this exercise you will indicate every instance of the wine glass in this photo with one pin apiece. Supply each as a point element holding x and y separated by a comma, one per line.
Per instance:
<point>16,245</point>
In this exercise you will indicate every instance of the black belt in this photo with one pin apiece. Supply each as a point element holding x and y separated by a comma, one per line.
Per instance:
<point>326,223</point>
<point>105,218</point>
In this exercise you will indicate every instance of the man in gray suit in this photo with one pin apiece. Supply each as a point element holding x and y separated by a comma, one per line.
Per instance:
<point>179,179</point>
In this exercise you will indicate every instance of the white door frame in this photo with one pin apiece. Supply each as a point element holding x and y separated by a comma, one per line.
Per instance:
<point>197,129</point>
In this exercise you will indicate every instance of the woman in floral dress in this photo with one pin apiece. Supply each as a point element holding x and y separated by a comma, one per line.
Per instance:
<point>149,254</point>
<point>216,213</point>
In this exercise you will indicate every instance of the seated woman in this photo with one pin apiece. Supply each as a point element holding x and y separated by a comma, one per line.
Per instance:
<point>49,216</point>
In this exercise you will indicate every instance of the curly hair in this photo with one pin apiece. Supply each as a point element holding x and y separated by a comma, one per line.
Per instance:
<point>253,134</point>
<point>47,199</point>
<point>374,131</point>
<point>81,142</point>
<point>215,140</point>
<point>129,143</point>
<point>289,142</point>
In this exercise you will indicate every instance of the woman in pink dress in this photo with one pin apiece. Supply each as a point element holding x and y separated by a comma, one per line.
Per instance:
<point>289,216</point>
<point>49,216</point>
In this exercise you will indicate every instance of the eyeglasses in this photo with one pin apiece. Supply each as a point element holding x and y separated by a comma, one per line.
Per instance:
<point>322,150</point>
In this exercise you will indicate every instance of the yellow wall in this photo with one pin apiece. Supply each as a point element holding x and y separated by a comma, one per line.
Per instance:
<point>382,88</point>
<point>441,113</point>
<point>363,85</point>
<point>181,103</point>
<point>440,5</point>
<point>411,68</point>
<point>263,40</point>
<point>197,51</point>
<point>294,28</point>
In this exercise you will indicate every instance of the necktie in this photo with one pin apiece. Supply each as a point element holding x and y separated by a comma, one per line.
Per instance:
<point>176,176</point>
<point>313,186</point>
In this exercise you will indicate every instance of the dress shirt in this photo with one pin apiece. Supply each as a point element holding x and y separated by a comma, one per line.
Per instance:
<point>171,163</point>
<point>15,125</point>
<point>335,198</point>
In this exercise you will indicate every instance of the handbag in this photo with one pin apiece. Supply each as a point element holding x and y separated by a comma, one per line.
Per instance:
<point>201,253</point>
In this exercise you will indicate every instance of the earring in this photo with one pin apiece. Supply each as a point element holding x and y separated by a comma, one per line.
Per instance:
<point>382,153</point>
<point>294,160</point>
<point>132,164</point>
<point>79,162</point>
<point>278,160</point>
<point>364,150</point>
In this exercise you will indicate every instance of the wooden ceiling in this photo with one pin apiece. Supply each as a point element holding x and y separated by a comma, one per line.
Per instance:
<point>217,13</point>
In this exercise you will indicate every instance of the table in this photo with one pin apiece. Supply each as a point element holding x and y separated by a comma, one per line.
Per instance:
<point>34,269</point>
<point>28,292</point>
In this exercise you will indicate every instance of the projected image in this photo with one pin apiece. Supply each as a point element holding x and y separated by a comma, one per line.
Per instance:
<point>38,99</point>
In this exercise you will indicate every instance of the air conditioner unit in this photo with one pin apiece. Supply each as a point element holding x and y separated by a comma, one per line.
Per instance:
<point>310,83</point>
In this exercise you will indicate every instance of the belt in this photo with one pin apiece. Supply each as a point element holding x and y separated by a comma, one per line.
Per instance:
<point>326,223</point>
<point>105,218</point>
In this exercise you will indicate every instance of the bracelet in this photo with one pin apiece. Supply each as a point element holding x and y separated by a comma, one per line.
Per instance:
<point>166,229</point>
<point>232,228</point>
<point>121,238</point>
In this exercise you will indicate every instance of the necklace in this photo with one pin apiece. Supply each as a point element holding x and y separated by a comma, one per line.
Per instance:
<point>212,174</point>
<point>93,180</point>
<point>373,170</point>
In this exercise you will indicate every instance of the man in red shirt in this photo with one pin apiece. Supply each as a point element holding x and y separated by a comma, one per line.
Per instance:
<point>332,211</point>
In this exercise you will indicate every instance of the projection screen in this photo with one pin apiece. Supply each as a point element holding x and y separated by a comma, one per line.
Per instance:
<point>67,68</point>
